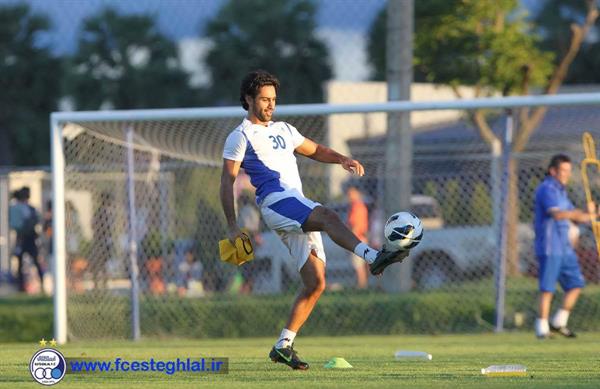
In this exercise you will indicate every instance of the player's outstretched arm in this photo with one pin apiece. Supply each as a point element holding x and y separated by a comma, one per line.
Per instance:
<point>325,154</point>
<point>228,175</point>
<point>575,215</point>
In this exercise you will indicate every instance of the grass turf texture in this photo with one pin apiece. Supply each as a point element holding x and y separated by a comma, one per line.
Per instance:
<point>457,360</point>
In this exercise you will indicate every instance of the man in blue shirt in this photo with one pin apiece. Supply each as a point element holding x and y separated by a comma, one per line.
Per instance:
<point>554,213</point>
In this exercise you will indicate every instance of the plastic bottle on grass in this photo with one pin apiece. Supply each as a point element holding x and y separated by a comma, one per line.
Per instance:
<point>405,354</point>
<point>504,371</point>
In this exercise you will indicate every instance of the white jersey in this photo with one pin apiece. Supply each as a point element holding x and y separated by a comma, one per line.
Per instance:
<point>267,155</point>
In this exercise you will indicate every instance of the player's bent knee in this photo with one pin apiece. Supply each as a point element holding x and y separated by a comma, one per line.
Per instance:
<point>320,287</point>
<point>317,288</point>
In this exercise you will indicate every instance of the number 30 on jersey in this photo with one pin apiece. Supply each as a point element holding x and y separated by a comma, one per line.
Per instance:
<point>278,142</point>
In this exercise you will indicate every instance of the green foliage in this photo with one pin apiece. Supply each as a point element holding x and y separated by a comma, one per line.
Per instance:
<point>376,44</point>
<point>431,189</point>
<point>278,37</point>
<point>25,319</point>
<point>376,47</point>
<point>29,84</point>
<point>481,205</point>
<point>336,314</point>
<point>451,203</point>
<point>125,62</point>
<point>470,42</point>
<point>527,199</point>
<point>195,200</point>
<point>155,244</point>
<point>555,30</point>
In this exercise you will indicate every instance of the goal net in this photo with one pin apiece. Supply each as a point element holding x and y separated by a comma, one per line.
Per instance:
<point>138,220</point>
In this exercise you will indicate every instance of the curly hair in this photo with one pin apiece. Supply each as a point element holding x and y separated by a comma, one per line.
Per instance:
<point>252,83</point>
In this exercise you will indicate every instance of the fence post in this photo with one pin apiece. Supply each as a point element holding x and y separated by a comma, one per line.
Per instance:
<point>133,250</point>
<point>4,227</point>
<point>502,231</point>
<point>399,143</point>
<point>59,268</point>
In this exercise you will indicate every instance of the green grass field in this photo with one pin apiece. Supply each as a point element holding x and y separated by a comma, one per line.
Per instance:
<point>457,361</point>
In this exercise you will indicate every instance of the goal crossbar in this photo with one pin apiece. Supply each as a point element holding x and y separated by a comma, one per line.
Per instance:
<point>325,109</point>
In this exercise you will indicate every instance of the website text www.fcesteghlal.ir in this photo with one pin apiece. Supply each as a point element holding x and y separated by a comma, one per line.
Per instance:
<point>170,367</point>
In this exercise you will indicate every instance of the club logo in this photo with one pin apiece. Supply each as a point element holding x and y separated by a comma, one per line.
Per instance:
<point>47,366</point>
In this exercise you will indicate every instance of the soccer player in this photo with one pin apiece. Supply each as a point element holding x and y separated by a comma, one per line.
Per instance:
<point>556,255</point>
<point>266,150</point>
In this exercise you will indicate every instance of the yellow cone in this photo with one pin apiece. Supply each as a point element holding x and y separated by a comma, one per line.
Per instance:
<point>337,363</point>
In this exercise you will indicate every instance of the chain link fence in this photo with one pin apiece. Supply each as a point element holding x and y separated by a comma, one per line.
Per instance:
<point>446,285</point>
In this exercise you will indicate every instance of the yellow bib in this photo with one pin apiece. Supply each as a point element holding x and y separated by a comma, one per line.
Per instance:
<point>239,254</point>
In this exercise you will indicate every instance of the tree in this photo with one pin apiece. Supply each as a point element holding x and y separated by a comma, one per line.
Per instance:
<point>468,42</point>
<point>29,85</point>
<point>277,36</point>
<point>123,61</point>
<point>376,43</point>
<point>489,45</point>
<point>554,22</point>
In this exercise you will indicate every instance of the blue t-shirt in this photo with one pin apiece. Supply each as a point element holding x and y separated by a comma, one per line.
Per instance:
<point>551,236</point>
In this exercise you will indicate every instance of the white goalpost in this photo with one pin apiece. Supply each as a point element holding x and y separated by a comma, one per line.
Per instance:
<point>136,213</point>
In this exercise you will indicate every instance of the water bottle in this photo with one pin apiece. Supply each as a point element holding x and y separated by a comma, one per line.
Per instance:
<point>504,371</point>
<point>404,354</point>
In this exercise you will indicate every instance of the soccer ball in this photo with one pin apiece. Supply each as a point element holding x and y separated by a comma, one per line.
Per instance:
<point>403,231</point>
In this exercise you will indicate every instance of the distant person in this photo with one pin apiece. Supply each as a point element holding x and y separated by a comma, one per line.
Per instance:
<point>189,268</point>
<point>152,253</point>
<point>24,218</point>
<point>554,248</point>
<point>358,221</point>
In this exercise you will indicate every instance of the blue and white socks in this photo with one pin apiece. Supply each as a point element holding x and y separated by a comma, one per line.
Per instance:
<point>285,339</point>
<point>542,328</point>
<point>368,253</point>
<point>560,318</point>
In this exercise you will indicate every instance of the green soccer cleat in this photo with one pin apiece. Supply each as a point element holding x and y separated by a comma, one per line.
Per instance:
<point>288,356</point>
<point>385,258</point>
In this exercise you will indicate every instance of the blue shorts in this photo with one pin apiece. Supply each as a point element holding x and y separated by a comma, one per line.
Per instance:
<point>285,212</point>
<point>562,268</point>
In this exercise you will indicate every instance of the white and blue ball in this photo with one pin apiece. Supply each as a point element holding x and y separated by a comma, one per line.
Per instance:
<point>403,231</point>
